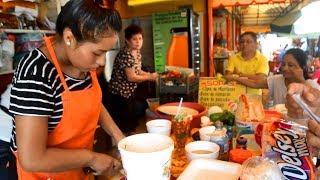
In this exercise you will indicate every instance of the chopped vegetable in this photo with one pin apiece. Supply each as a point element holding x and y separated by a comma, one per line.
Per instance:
<point>226,117</point>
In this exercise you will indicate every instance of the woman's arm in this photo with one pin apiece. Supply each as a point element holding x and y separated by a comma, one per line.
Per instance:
<point>35,156</point>
<point>109,125</point>
<point>142,72</point>
<point>133,77</point>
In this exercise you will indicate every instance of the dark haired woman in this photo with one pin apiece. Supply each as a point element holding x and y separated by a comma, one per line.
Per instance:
<point>294,70</point>
<point>56,98</point>
<point>126,75</point>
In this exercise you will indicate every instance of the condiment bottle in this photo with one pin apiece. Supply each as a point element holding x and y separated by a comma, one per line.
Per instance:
<point>241,143</point>
<point>221,138</point>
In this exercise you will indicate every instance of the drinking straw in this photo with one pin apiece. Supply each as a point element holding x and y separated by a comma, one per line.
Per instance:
<point>179,107</point>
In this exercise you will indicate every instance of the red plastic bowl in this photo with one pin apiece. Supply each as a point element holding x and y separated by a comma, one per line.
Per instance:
<point>195,123</point>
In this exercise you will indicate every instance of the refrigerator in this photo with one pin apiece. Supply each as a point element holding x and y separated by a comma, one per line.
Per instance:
<point>176,47</point>
<point>171,28</point>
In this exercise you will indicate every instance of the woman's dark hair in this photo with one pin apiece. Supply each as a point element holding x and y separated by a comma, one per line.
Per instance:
<point>301,58</point>
<point>250,33</point>
<point>88,20</point>
<point>132,30</point>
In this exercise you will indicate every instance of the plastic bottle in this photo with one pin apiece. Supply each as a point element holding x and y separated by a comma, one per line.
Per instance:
<point>178,49</point>
<point>241,143</point>
<point>221,138</point>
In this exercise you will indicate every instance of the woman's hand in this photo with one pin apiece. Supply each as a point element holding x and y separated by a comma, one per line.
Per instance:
<point>313,136</point>
<point>310,95</point>
<point>103,164</point>
<point>153,76</point>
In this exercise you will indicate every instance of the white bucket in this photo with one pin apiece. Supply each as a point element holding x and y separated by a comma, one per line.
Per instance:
<point>146,156</point>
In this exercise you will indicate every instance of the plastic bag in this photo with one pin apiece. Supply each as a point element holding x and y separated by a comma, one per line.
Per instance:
<point>285,143</point>
<point>260,168</point>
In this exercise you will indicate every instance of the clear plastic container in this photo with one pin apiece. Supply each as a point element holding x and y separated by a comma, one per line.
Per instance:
<point>260,168</point>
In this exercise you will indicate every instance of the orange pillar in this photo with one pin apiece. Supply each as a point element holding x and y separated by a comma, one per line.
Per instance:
<point>210,35</point>
<point>229,32</point>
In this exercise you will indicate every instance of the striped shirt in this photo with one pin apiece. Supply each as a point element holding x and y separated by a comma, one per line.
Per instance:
<point>37,90</point>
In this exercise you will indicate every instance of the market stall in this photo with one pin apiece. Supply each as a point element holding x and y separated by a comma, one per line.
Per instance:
<point>233,23</point>
<point>224,138</point>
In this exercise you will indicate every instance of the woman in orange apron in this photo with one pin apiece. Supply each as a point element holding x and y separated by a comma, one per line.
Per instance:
<point>53,146</point>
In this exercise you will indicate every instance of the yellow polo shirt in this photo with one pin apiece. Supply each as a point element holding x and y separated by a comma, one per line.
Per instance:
<point>258,64</point>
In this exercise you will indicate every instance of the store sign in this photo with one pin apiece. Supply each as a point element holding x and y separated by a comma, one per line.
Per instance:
<point>216,92</point>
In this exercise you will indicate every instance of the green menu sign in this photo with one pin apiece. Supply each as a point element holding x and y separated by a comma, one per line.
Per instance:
<point>162,24</point>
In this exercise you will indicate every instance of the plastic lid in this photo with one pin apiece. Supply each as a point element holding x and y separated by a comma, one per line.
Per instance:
<point>218,124</point>
<point>240,155</point>
<point>241,140</point>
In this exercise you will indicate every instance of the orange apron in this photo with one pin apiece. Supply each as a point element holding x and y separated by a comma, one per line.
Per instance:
<point>76,128</point>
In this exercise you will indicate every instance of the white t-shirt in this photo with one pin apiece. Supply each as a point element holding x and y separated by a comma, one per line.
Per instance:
<point>278,89</point>
<point>5,119</point>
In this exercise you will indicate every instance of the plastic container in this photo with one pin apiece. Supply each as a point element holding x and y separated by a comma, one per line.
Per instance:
<point>202,149</point>
<point>239,155</point>
<point>202,169</point>
<point>221,138</point>
<point>146,156</point>
<point>206,132</point>
<point>159,126</point>
<point>153,103</point>
<point>260,168</point>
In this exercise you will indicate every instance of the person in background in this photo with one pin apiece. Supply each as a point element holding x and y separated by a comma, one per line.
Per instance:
<point>312,97</point>
<point>316,65</point>
<point>126,75</point>
<point>294,69</point>
<point>248,63</point>
<point>8,170</point>
<point>56,98</point>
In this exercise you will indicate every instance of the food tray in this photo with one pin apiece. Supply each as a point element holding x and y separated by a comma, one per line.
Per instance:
<point>207,169</point>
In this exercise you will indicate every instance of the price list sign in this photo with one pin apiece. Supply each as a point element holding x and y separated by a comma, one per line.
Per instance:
<point>216,92</point>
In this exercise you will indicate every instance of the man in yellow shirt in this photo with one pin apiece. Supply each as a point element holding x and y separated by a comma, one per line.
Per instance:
<point>248,63</point>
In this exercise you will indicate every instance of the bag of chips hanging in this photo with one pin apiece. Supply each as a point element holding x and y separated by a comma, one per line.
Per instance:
<point>285,143</point>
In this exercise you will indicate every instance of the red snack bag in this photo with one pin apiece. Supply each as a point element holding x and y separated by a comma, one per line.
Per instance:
<point>285,143</point>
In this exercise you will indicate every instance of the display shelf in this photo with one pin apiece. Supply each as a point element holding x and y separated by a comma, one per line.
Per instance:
<point>21,31</point>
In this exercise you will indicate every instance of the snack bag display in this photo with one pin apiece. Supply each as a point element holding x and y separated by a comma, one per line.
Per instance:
<point>285,143</point>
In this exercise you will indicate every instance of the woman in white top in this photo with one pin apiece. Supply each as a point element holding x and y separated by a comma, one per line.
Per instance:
<point>294,70</point>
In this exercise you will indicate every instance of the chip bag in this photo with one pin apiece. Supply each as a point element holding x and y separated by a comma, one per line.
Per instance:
<point>285,143</point>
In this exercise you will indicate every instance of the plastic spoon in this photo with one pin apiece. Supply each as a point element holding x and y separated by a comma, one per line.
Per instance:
<point>305,107</point>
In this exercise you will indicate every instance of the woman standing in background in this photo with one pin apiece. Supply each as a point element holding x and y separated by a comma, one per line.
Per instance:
<point>126,75</point>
